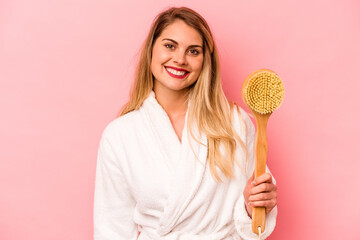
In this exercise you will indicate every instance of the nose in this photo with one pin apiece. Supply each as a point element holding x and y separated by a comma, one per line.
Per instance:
<point>180,58</point>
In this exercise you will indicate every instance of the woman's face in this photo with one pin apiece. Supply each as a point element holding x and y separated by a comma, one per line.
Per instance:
<point>177,57</point>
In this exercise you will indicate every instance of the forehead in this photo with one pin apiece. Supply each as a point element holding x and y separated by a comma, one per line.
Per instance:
<point>181,33</point>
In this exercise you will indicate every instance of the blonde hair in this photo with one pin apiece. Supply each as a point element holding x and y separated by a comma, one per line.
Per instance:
<point>208,104</point>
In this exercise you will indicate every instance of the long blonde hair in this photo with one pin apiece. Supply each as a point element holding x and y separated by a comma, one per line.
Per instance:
<point>208,104</point>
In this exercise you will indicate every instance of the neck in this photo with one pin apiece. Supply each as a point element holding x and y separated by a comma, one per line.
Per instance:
<point>173,102</point>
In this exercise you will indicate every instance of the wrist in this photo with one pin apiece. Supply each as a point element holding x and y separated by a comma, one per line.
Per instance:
<point>248,210</point>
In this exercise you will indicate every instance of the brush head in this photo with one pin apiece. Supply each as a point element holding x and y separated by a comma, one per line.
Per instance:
<point>263,91</point>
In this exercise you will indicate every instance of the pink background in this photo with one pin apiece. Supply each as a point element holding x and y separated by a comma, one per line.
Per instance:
<point>65,71</point>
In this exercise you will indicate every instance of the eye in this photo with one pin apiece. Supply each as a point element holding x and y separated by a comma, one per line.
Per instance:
<point>170,46</point>
<point>194,52</point>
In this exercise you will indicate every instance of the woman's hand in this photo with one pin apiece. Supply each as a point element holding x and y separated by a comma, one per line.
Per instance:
<point>260,192</point>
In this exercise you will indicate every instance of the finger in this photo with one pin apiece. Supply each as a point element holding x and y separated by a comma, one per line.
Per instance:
<point>262,196</point>
<point>263,187</point>
<point>268,204</point>
<point>266,177</point>
<point>251,179</point>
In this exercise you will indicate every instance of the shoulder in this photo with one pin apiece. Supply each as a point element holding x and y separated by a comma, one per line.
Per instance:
<point>121,126</point>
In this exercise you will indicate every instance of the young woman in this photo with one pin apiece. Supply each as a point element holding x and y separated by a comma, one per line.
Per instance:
<point>178,162</point>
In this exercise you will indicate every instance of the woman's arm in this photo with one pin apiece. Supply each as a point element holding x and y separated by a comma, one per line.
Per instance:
<point>113,203</point>
<point>242,218</point>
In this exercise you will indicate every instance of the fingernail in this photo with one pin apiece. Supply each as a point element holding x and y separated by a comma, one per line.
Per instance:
<point>253,183</point>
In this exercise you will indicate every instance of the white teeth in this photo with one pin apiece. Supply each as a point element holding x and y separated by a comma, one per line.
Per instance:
<point>178,73</point>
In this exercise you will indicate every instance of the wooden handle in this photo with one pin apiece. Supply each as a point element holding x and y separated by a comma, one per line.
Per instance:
<point>258,213</point>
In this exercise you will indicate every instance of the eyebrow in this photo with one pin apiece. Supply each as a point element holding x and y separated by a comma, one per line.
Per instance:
<point>177,42</point>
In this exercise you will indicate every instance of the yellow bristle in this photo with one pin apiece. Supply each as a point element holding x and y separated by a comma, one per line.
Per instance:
<point>263,91</point>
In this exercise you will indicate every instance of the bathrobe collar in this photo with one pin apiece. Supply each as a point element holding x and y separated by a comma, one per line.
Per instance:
<point>186,159</point>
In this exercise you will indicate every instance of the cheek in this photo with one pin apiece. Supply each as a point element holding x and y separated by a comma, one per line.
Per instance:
<point>159,57</point>
<point>156,63</point>
<point>164,57</point>
<point>198,64</point>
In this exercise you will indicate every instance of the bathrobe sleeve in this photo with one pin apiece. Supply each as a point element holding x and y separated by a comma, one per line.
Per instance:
<point>113,203</point>
<point>243,222</point>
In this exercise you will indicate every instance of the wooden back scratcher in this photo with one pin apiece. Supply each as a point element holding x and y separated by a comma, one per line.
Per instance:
<point>263,92</point>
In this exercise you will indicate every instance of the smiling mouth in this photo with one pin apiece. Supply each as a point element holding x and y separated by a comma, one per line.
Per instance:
<point>176,74</point>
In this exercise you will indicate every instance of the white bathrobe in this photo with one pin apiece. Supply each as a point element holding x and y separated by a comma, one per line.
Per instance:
<point>148,181</point>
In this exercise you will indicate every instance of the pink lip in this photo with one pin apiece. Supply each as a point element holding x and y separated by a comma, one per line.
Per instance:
<point>176,76</point>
